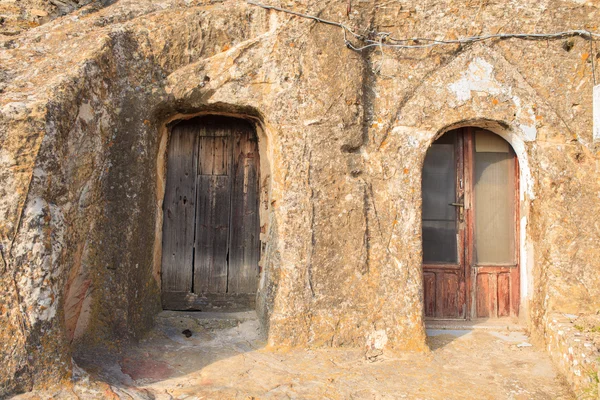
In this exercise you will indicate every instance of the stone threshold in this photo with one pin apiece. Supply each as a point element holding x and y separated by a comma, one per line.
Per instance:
<point>489,324</point>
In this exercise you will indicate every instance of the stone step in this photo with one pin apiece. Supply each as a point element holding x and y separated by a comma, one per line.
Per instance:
<point>206,320</point>
<point>502,324</point>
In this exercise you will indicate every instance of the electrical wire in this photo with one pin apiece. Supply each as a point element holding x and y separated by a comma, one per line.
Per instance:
<point>313,17</point>
<point>385,40</point>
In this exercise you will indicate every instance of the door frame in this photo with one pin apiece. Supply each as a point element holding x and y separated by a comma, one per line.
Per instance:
<point>465,160</point>
<point>194,301</point>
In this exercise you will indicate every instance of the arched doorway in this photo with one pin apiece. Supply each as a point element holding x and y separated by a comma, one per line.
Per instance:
<point>211,225</point>
<point>469,226</point>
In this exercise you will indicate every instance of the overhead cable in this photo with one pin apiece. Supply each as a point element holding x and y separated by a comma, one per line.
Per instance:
<point>384,39</point>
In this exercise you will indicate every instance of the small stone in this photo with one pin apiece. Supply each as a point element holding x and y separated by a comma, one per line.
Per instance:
<point>187,333</point>
<point>524,344</point>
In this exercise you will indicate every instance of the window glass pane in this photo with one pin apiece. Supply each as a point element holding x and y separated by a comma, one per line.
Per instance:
<point>439,242</point>
<point>439,189</point>
<point>494,200</point>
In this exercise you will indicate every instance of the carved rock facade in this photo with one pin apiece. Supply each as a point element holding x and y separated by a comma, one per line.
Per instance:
<point>85,108</point>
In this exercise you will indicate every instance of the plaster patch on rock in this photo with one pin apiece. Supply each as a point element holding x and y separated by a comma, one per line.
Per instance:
<point>525,114</point>
<point>6,159</point>
<point>377,340</point>
<point>518,144</point>
<point>86,112</point>
<point>477,78</point>
<point>7,193</point>
<point>524,261</point>
<point>596,113</point>
<point>41,265</point>
<point>400,265</point>
<point>35,208</point>
<point>413,137</point>
<point>39,173</point>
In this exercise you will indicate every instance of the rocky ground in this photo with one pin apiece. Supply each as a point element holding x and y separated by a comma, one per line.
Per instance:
<point>218,355</point>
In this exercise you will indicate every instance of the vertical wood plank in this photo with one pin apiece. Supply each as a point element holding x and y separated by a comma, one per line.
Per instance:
<point>429,293</point>
<point>463,254</point>
<point>206,155</point>
<point>483,309</point>
<point>503,295</point>
<point>214,155</point>
<point>439,294</point>
<point>450,295</point>
<point>178,210</point>
<point>245,225</point>
<point>493,295</point>
<point>470,270</point>
<point>212,231</point>
<point>222,155</point>
<point>515,290</point>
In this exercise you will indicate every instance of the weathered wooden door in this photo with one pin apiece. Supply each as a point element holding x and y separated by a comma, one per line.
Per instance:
<point>211,227</point>
<point>443,225</point>
<point>470,251</point>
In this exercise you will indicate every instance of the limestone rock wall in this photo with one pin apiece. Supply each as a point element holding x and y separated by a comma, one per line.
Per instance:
<point>84,102</point>
<point>574,343</point>
<point>18,16</point>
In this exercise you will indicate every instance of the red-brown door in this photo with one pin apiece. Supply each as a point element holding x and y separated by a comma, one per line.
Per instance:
<point>443,225</point>
<point>469,217</point>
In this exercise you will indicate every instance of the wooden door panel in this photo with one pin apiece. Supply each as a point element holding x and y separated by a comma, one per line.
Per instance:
<point>450,291</point>
<point>496,292</point>
<point>442,293</point>
<point>179,210</point>
<point>245,222</point>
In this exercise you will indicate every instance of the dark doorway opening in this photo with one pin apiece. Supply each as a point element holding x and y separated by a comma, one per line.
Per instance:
<point>470,227</point>
<point>211,223</point>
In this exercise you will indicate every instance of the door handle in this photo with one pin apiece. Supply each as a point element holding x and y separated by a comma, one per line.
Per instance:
<point>461,210</point>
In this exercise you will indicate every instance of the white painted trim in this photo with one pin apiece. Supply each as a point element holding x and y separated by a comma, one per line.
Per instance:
<point>596,113</point>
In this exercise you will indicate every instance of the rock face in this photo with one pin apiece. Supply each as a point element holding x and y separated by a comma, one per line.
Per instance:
<point>17,16</point>
<point>85,106</point>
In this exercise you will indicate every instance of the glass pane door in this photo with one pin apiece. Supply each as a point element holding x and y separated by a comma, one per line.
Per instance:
<point>494,182</point>
<point>439,191</point>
